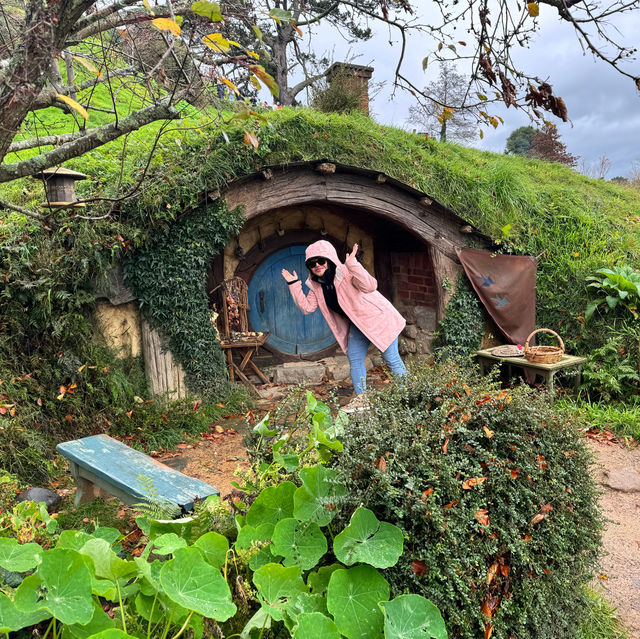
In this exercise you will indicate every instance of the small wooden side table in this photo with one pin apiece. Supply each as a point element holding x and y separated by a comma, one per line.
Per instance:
<point>246,349</point>
<point>547,371</point>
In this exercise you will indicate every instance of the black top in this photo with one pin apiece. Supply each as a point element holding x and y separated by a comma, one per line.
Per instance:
<point>329,289</point>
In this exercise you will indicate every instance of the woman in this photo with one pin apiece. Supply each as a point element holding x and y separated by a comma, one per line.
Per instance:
<point>354,310</point>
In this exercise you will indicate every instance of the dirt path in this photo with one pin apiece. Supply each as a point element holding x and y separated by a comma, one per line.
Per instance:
<point>620,579</point>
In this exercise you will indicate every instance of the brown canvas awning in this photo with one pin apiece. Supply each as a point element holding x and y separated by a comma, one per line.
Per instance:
<point>506,285</point>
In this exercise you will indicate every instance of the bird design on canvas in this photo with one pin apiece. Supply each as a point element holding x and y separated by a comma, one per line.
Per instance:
<point>486,280</point>
<point>500,301</point>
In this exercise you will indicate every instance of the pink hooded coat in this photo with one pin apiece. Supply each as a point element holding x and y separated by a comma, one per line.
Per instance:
<point>356,290</point>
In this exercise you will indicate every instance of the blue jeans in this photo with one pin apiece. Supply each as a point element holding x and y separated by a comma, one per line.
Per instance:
<point>356,352</point>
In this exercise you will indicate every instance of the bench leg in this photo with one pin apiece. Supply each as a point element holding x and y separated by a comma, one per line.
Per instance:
<point>86,490</point>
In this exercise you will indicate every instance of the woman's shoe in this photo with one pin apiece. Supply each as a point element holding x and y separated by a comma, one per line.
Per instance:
<point>358,403</point>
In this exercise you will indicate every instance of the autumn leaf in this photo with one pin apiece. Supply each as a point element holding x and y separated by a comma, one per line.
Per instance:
<point>426,493</point>
<point>534,9</point>
<point>167,24</point>
<point>39,401</point>
<point>470,483</point>
<point>381,464</point>
<point>129,413</point>
<point>504,570</point>
<point>537,518</point>
<point>488,630</point>
<point>487,431</point>
<point>444,446</point>
<point>81,368</point>
<point>63,390</point>
<point>251,140</point>
<point>195,406</point>
<point>88,65</point>
<point>491,573</point>
<point>220,405</point>
<point>68,417</point>
<point>451,504</point>
<point>259,71</point>
<point>418,567</point>
<point>482,516</point>
<point>295,27</point>
<point>73,104</point>
<point>147,6</point>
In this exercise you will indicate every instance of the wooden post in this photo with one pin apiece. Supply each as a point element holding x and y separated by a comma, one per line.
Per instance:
<point>165,375</point>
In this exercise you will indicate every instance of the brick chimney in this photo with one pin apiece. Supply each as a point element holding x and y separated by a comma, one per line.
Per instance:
<point>356,77</point>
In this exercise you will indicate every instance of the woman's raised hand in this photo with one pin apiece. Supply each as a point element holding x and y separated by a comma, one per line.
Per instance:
<point>289,277</point>
<point>351,257</point>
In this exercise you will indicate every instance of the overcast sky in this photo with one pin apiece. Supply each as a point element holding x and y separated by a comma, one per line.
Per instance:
<point>604,106</point>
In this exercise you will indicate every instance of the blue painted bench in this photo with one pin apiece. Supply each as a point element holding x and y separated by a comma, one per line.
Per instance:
<point>103,463</point>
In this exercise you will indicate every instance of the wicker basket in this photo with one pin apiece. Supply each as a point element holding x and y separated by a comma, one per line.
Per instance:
<point>544,354</point>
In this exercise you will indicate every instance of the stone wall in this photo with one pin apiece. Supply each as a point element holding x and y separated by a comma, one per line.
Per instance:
<point>418,334</point>
<point>120,327</point>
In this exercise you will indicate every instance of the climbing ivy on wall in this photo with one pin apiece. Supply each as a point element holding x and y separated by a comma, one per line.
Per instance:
<point>168,275</point>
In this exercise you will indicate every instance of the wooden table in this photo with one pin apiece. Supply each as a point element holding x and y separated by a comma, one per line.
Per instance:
<point>246,349</point>
<point>546,371</point>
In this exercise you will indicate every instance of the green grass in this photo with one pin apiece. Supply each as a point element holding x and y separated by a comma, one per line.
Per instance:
<point>621,418</point>
<point>601,621</point>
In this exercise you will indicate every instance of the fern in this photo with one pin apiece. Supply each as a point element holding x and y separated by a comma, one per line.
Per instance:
<point>154,507</point>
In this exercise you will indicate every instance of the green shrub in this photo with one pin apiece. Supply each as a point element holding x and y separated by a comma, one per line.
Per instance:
<point>608,373</point>
<point>494,495</point>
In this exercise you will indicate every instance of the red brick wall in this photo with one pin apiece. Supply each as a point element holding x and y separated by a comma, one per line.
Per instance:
<point>413,278</point>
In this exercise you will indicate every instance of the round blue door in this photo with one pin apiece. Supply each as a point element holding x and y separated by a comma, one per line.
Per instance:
<point>272,308</point>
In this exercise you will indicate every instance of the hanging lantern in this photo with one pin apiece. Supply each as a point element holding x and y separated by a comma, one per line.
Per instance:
<point>60,187</point>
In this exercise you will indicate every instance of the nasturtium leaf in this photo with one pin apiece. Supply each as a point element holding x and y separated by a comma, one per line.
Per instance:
<point>368,540</point>
<point>272,504</point>
<point>249,535</point>
<point>353,597</point>
<point>196,585</point>
<point>320,426</point>
<point>262,427</point>
<point>262,619</point>
<point>210,10</point>
<point>412,617</point>
<point>277,584</point>
<point>73,539</point>
<point>61,586</point>
<point>99,622</point>
<point>168,543</point>
<point>104,588</point>
<point>17,557</point>
<point>315,625</point>
<point>316,499</point>
<point>300,543</point>
<point>214,548</point>
<point>13,619</point>
<point>263,557</point>
<point>185,527</point>
<point>319,581</point>
<point>105,532</point>
<point>149,608</point>
<point>107,564</point>
<point>305,603</point>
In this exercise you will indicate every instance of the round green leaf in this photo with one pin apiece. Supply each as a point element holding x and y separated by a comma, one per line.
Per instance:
<point>13,619</point>
<point>17,557</point>
<point>315,500</point>
<point>196,585</point>
<point>73,539</point>
<point>272,505</point>
<point>112,633</point>
<point>353,597</point>
<point>214,547</point>
<point>99,622</point>
<point>249,535</point>
<point>369,541</point>
<point>315,625</point>
<point>412,617</point>
<point>168,543</point>
<point>319,581</point>
<point>277,584</point>
<point>107,564</point>
<point>61,585</point>
<point>300,543</point>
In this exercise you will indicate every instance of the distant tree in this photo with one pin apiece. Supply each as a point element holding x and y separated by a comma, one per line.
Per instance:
<point>634,175</point>
<point>447,114</point>
<point>597,170</point>
<point>519,142</point>
<point>546,145</point>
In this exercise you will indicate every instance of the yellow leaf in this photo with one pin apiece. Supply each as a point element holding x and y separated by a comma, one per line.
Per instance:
<point>255,82</point>
<point>167,24</point>
<point>266,78</point>
<point>253,54</point>
<point>230,84</point>
<point>217,42</point>
<point>250,139</point>
<point>481,134</point>
<point>534,9</point>
<point>73,104</point>
<point>87,64</point>
<point>147,6</point>
<point>487,431</point>
<point>296,29</point>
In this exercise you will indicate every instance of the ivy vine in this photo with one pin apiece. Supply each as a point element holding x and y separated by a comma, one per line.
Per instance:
<point>168,277</point>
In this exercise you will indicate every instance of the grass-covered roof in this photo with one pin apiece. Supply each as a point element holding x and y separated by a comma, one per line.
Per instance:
<point>574,224</point>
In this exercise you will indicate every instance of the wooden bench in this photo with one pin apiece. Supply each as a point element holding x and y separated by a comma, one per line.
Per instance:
<point>547,371</point>
<point>103,463</point>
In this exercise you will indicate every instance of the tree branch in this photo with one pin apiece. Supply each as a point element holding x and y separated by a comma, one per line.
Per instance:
<point>20,209</point>
<point>93,139</point>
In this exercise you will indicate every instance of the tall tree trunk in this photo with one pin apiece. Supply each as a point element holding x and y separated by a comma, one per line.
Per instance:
<point>279,51</point>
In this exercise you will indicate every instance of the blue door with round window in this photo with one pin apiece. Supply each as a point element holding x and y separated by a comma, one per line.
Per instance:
<point>272,308</point>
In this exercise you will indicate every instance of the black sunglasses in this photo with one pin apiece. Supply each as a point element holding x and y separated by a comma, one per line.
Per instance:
<point>316,261</point>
